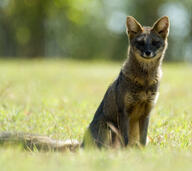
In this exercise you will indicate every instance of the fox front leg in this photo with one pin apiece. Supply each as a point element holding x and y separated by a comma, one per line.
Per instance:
<point>143,125</point>
<point>124,126</point>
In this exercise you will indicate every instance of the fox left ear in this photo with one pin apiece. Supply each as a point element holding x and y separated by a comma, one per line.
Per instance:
<point>161,26</point>
<point>133,27</point>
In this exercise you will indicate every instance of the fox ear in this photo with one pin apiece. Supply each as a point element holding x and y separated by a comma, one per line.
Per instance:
<point>161,26</point>
<point>133,26</point>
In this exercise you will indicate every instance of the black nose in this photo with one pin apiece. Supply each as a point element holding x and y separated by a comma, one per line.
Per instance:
<point>148,53</point>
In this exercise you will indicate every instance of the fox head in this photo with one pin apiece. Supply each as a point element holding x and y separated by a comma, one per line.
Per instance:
<point>148,43</point>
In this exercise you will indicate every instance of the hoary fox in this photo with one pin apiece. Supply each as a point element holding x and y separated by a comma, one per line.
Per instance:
<point>123,116</point>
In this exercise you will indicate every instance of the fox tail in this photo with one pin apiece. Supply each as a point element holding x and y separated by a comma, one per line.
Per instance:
<point>32,142</point>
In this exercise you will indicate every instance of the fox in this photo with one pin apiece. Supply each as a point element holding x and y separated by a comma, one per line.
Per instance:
<point>122,118</point>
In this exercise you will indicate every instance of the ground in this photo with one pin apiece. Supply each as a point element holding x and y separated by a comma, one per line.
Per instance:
<point>59,97</point>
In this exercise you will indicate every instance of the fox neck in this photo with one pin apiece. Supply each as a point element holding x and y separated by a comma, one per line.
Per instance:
<point>145,69</point>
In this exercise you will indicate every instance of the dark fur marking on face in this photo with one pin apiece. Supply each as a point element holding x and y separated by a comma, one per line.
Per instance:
<point>148,45</point>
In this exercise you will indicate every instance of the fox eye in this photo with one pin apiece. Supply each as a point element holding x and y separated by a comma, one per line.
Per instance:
<point>155,43</point>
<point>140,42</point>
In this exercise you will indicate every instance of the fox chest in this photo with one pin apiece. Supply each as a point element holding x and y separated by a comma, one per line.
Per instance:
<point>141,103</point>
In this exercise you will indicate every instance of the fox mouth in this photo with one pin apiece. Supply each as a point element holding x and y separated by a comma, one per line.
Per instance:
<point>148,56</point>
<point>151,56</point>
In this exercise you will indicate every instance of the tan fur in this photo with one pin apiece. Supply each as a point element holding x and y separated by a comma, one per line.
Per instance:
<point>134,134</point>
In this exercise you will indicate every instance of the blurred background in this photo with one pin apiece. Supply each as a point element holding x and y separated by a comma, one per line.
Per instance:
<point>87,29</point>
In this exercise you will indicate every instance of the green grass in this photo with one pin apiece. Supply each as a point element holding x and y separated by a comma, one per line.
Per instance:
<point>58,98</point>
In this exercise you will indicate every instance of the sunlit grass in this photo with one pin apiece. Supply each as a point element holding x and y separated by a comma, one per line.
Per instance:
<point>58,98</point>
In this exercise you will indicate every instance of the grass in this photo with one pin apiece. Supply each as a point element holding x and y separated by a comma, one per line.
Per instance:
<point>59,98</point>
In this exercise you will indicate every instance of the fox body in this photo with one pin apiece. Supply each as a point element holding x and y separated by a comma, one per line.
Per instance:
<point>122,118</point>
<point>123,115</point>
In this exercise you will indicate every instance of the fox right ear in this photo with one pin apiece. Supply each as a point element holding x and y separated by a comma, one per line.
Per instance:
<point>133,26</point>
<point>161,26</point>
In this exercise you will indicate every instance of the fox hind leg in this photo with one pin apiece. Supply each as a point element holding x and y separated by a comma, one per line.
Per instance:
<point>98,135</point>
